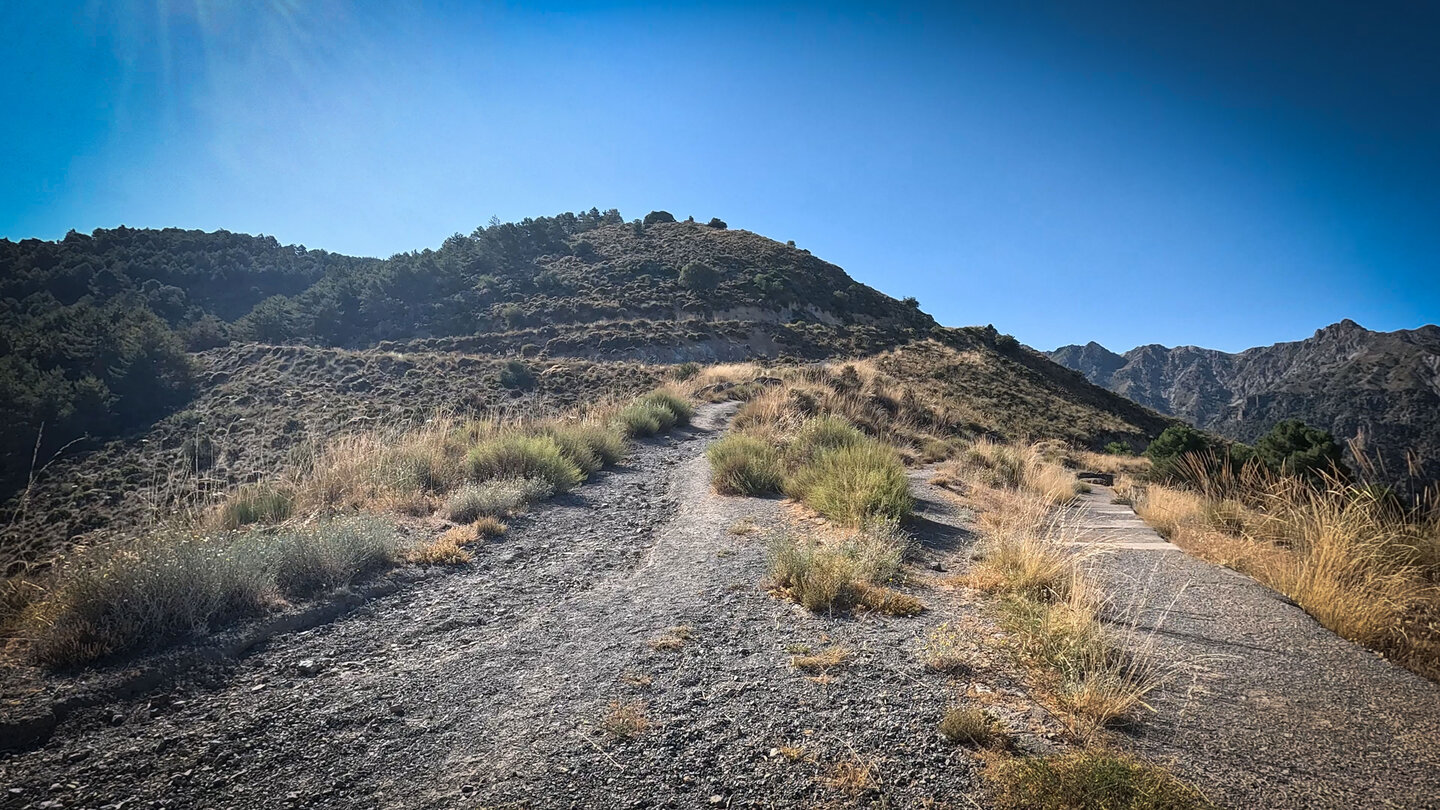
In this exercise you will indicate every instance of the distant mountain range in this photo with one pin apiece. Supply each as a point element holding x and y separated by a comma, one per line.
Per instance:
<point>1378,389</point>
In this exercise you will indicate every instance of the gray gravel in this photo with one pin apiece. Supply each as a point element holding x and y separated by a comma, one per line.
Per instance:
<point>487,687</point>
<point>1270,709</point>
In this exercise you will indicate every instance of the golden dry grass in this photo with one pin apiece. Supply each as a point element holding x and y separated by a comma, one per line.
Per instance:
<point>823,661</point>
<point>626,719</point>
<point>1354,563</point>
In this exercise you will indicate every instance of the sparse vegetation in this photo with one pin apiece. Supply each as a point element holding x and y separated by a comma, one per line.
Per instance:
<point>969,725</point>
<point>1353,559</point>
<point>174,585</point>
<point>179,582</point>
<point>1089,780</point>
<point>626,719</point>
<point>843,575</point>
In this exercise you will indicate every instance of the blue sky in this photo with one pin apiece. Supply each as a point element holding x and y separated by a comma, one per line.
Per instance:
<point>1223,174</point>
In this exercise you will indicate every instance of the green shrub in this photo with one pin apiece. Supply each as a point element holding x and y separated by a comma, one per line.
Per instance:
<point>516,374</point>
<point>516,455</point>
<point>1294,448</point>
<point>744,465</point>
<point>263,502</point>
<point>699,277</point>
<point>497,497</point>
<point>1119,449</point>
<point>685,371</point>
<point>656,412</point>
<point>317,557</point>
<point>1082,780</point>
<point>639,420</point>
<point>854,485</point>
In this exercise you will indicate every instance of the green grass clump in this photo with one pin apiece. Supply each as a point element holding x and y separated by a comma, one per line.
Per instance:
<point>821,434</point>
<point>674,403</point>
<point>173,586</point>
<point>744,465</point>
<point>263,502</point>
<point>854,485</point>
<point>590,446</point>
<point>1090,780</point>
<point>497,497</point>
<point>516,455</point>
<point>656,412</point>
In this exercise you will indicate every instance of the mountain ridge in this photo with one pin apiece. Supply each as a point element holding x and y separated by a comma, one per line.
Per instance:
<point>1379,390</point>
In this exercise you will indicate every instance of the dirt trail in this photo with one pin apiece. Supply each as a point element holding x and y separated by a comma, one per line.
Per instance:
<point>486,687</point>
<point>1282,712</point>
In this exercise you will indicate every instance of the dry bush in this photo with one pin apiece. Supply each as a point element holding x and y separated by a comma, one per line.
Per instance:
<point>1054,615</point>
<point>1013,466</point>
<point>172,585</point>
<point>1111,463</point>
<point>1085,779</point>
<point>1024,549</point>
<point>852,777</point>
<point>626,719</point>
<point>444,549</point>
<point>969,725</point>
<point>845,574</point>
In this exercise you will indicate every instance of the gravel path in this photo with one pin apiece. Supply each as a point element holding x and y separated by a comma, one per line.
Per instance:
<point>488,687</point>
<point>1273,710</point>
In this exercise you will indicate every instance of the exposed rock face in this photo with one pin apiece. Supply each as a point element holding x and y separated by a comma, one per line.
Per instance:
<point>1379,389</point>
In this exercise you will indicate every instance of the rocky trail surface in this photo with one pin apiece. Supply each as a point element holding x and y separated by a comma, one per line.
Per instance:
<point>634,604</point>
<point>1269,709</point>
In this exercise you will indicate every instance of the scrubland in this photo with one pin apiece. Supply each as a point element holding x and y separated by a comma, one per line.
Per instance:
<point>367,502</point>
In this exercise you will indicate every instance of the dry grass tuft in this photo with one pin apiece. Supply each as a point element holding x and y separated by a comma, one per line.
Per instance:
<point>1081,780</point>
<point>823,661</point>
<point>626,719</point>
<point>673,639</point>
<point>845,574</point>
<point>969,725</point>
<point>853,776</point>
<point>997,465</point>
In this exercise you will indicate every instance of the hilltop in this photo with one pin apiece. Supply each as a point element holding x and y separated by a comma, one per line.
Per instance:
<point>1378,389</point>
<point>223,357</point>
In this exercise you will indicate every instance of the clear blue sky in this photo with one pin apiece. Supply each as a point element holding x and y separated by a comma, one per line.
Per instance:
<point>1223,173</point>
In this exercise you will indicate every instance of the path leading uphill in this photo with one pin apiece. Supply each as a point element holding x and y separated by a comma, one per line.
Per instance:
<point>490,686</point>
<point>1274,711</point>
